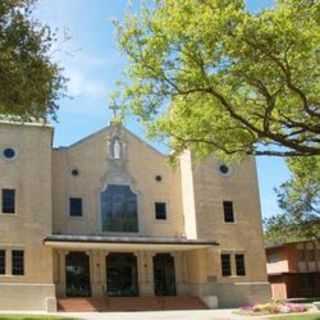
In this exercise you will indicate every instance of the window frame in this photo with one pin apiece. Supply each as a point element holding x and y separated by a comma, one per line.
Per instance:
<point>165,203</point>
<point>70,207</point>
<point>224,202</point>
<point>14,267</point>
<point>3,211</point>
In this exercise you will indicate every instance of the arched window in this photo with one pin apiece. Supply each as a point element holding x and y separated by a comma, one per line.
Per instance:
<point>119,209</point>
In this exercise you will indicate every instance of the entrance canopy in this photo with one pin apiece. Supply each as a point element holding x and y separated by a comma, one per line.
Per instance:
<point>126,243</point>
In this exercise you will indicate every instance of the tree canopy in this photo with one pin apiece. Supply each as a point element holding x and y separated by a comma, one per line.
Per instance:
<point>211,76</point>
<point>30,83</point>
<point>299,199</point>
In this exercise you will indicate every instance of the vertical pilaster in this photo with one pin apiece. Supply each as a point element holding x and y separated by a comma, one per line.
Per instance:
<point>178,262</point>
<point>61,265</point>
<point>103,271</point>
<point>93,275</point>
<point>144,270</point>
<point>56,266</point>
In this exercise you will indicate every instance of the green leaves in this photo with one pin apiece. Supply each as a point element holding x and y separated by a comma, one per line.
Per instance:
<point>30,84</point>
<point>299,199</point>
<point>210,76</point>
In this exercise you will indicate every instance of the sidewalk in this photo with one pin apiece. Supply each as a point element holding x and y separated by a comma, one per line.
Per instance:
<point>221,314</point>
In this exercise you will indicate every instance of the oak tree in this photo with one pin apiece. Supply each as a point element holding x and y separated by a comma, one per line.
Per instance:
<point>299,199</point>
<point>30,83</point>
<point>211,76</point>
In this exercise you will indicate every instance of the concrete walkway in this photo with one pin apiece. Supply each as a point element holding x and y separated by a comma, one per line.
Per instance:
<point>158,315</point>
<point>221,314</point>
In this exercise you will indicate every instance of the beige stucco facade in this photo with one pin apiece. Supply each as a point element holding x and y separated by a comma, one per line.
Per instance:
<point>194,232</point>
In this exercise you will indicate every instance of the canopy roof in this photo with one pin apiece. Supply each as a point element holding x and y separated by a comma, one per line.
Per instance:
<point>125,242</point>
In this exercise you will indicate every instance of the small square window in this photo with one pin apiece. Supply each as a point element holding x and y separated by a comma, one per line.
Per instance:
<point>8,201</point>
<point>228,211</point>
<point>240,265</point>
<point>18,262</point>
<point>226,265</point>
<point>2,262</point>
<point>75,205</point>
<point>161,210</point>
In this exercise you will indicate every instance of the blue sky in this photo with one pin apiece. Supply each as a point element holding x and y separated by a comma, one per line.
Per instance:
<point>93,64</point>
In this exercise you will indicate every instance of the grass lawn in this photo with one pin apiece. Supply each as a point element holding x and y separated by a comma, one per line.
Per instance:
<point>31,317</point>
<point>302,317</point>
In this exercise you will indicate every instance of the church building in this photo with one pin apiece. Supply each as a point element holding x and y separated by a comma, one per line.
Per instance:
<point>108,218</point>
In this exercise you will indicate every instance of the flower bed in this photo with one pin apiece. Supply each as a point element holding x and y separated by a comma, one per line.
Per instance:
<point>273,308</point>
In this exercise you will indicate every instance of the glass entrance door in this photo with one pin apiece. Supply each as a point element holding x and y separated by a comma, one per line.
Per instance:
<point>122,275</point>
<point>164,275</point>
<point>77,275</point>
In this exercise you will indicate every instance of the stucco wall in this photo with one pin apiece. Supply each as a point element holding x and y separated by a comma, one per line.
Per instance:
<point>142,164</point>
<point>245,235</point>
<point>30,175</point>
<point>194,193</point>
<point>27,297</point>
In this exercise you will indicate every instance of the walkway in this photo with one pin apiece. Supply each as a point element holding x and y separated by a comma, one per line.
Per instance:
<point>157,315</point>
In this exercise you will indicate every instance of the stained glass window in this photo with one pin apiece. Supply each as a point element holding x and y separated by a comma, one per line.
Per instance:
<point>119,209</point>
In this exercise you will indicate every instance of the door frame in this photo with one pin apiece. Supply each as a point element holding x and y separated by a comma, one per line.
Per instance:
<point>169,291</point>
<point>134,279</point>
<point>88,267</point>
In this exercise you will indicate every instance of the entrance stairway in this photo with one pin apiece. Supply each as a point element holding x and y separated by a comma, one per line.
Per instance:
<point>130,304</point>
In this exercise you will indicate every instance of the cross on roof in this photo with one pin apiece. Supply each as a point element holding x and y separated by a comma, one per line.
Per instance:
<point>115,109</point>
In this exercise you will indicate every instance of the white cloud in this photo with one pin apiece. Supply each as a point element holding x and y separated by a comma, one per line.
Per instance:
<point>81,85</point>
<point>90,72</point>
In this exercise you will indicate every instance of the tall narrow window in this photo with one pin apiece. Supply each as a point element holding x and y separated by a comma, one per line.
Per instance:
<point>18,262</point>
<point>226,265</point>
<point>75,205</point>
<point>228,211</point>
<point>240,265</point>
<point>8,200</point>
<point>160,210</point>
<point>2,262</point>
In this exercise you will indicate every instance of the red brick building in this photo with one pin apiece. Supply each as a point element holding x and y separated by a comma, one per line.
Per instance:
<point>294,270</point>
